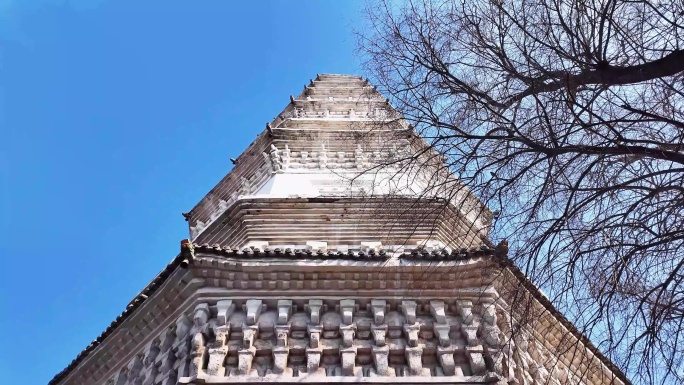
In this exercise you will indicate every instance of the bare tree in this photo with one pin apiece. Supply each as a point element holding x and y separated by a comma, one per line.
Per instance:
<point>567,117</point>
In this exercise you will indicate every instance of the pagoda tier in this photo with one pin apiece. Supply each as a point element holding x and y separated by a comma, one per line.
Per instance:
<point>222,316</point>
<point>336,251</point>
<point>339,168</point>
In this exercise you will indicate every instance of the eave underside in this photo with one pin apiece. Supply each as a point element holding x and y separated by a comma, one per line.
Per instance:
<point>261,276</point>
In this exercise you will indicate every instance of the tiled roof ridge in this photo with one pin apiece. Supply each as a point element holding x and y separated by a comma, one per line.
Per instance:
<point>331,253</point>
<point>340,75</point>
<point>498,254</point>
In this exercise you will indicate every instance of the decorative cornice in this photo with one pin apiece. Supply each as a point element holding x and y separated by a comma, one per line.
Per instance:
<point>190,253</point>
<point>417,253</point>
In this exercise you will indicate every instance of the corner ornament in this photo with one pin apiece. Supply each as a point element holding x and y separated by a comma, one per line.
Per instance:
<point>187,253</point>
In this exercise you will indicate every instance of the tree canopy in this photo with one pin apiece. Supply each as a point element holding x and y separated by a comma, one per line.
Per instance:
<point>566,117</point>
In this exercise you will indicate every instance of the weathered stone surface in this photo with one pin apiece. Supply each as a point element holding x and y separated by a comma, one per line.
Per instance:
<point>470,332</point>
<point>347,310</point>
<point>314,307</point>
<point>262,336</point>
<point>465,308</point>
<point>477,363</point>
<point>245,358</point>
<point>348,358</point>
<point>225,309</point>
<point>282,334</point>
<point>408,308</point>
<point>266,345</point>
<point>201,314</point>
<point>411,332</point>
<point>437,310</point>
<point>414,360</point>
<point>489,314</point>
<point>442,333</point>
<point>313,361</point>
<point>446,359</point>
<point>314,336</point>
<point>379,334</point>
<point>280,360</point>
<point>253,308</point>
<point>284,311</point>
<point>380,360</point>
<point>347,332</point>
<point>216,358</point>
<point>378,307</point>
<point>249,333</point>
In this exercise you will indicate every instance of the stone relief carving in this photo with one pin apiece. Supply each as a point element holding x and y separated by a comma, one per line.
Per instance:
<point>273,159</point>
<point>346,337</point>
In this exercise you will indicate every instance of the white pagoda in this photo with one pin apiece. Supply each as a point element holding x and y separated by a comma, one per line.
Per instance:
<point>339,249</point>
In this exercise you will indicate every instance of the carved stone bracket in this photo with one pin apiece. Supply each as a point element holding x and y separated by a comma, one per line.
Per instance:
<point>314,308</point>
<point>348,361</point>
<point>246,186</point>
<point>437,310</point>
<point>183,326</point>
<point>253,308</point>
<point>151,368</point>
<point>489,314</point>
<point>150,375</point>
<point>201,315</point>
<point>490,334</point>
<point>378,306</point>
<point>198,354</point>
<point>166,361</point>
<point>313,361</point>
<point>197,347</point>
<point>347,332</point>
<point>218,351</point>
<point>315,336</point>
<point>216,358</point>
<point>414,360</point>
<point>411,332</point>
<point>347,310</point>
<point>224,310</point>
<point>222,334</point>
<point>470,332</point>
<point>280,361</point>
<point>282,333</point>
<point>408,308</point>
<point>323,156</point>
<point>379,334</point>
<point>446,359</point>
<point>284,311</point>
<point>285,156</point>
<point>182,350</point>
<point>477,362</point>
<point>381,360</point>
<point>465,309</point>
<point>442,333</point>
<point>248,335</point>
<point>166,340</point>
<point>245,358</point>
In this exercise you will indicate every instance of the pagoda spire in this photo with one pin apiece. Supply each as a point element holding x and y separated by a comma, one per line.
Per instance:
<point>334,149</point>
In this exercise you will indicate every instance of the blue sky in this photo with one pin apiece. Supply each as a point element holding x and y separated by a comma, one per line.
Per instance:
<point>115,117</point>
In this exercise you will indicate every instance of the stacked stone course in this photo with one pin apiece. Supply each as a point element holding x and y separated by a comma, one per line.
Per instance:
<point>274,338</point>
